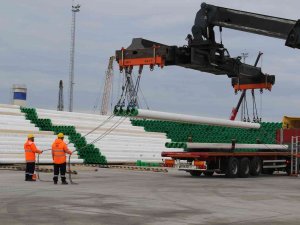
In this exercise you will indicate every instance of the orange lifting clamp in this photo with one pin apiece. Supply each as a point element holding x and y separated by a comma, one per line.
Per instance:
<point>262,82</point>
<point>141,57</point>
<point>240,87</point>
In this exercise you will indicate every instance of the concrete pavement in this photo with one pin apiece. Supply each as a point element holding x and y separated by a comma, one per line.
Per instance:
<point>115,196</point>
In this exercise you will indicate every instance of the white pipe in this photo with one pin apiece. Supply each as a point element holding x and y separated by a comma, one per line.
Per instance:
<point>7,128</point>
<point>13,118</point>
<point>61,119</point>
<point>128,153</point>
<point>128,135</point>
<point>22,152</point>
<point>132,159</point>
<point>71,114</point>
<point>130,141</point>
<point>20,148</point>
<point>22,140</point>
<point>148,114</point>
<point>126,150</point>
<point>137,146</point>
<point>123,132</point>
<point>237,146</point>
<point>7,110</point>
<point>42,161</point>
<point>9,106</point>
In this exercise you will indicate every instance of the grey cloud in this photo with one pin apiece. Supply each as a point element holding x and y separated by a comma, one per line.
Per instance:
<point>35,40</point>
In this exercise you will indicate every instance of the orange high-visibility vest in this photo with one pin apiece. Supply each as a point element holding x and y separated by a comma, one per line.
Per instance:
<point>59,150</point>
<point>30,150</point>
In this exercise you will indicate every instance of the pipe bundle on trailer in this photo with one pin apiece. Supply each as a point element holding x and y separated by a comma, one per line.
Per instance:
<point>149,114</point>
<point>225,146</point>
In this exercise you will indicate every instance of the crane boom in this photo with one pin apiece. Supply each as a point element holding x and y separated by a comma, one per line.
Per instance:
<point>107,86</point>
<point>209,16</point>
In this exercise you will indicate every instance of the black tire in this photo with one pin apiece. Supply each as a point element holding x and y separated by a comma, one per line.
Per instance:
<point>195,173</point>
<point>232,167</point>
<point>255,166</point>
<point>244,168</point>
<point>208,173</point>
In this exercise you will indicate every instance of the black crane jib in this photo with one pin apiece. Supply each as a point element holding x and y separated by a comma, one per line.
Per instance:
<point>209,16</point>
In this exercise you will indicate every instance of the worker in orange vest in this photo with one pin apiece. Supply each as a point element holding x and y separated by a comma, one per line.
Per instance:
<point>30,151</point>
<point>59,150</point>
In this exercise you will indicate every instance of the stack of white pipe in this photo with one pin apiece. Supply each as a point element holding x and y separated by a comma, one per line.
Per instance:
<point>13,134</point>
<point>126,143</point>
<point>41,161</point>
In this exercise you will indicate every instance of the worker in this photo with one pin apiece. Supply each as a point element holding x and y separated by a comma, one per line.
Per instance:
<point>30,151</point>
<point>59,150</point>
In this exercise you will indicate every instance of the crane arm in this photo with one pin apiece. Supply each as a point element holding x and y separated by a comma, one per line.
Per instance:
<point>209,16</point>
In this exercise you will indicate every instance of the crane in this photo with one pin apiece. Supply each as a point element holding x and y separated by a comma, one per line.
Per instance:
<point>108,84</point>
<point>204,53</point>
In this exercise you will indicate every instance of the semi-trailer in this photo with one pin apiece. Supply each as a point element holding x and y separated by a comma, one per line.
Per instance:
<point>235,160</point>
<point>232,164</point>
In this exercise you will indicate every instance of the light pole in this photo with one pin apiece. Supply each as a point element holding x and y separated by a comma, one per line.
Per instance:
<point>75,9</point>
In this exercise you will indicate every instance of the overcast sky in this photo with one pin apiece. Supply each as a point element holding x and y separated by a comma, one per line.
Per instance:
<point>35,46</point>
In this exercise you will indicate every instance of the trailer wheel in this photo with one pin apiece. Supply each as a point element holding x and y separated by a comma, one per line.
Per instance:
<point>196,173</point>
<point>255,166</point>
<point>244,168</point>
<point>208,173</point>
<point>232,167</point>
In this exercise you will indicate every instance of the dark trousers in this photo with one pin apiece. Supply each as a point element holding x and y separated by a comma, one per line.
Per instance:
<point>60,168</point>
<point>30,167</point>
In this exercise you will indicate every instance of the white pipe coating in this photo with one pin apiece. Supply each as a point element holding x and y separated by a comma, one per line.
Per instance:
<point>20,128</point>
<point>42,161</point>
<point>9,106</point>
<point>20,147</point>
<point>121,138</point>
<point>128,152</point>
<point>149,114</point>
<point>22,152</point>
<point>128,139</point>
<point>238,146</point>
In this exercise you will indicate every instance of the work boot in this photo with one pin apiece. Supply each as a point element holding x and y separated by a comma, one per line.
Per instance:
<point>63,180</point>
<point>55,180</point>
<point>30,178</point>
<point>26,177</point>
